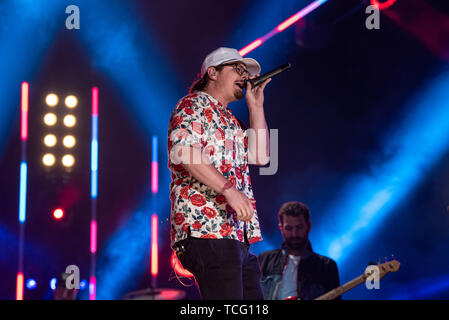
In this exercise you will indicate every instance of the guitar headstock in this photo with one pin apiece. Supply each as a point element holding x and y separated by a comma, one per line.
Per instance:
<point>372,272</point>
<point>389,266</point>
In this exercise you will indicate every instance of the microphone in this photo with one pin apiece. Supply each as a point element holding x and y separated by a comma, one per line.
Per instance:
<point>270,74</point>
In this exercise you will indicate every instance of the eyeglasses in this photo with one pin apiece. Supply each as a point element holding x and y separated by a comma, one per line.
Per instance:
<point>239,69</point>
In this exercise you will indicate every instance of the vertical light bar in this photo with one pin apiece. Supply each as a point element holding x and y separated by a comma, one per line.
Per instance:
<point>94,143</point>
<point>24,138</point>
<point>24,113</point>
<point>154,218</point>
<point>23,191</point>
<point>154,247</point>
<point>93,236</point>
<point>154,167</point>
<point>24,102</point>
<point>92,288</point>
<point>94,194</point>
<point>19,285</point>
<point>94,171</point>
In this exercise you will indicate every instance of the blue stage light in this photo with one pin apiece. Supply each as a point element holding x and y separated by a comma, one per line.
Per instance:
<point>23,188</point>
<point>83,284</point>
<point>418,143</point>
<point>424,288</point>
<point>31,284</point>
<point>53,283</point>
<point>30,30</point>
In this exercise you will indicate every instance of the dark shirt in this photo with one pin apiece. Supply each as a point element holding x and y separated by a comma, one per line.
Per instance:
<point>317,274</point>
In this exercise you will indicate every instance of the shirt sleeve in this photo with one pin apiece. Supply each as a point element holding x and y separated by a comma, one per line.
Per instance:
<point>187,125</point>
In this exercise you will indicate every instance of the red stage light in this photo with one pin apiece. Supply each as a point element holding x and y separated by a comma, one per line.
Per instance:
<point>24,114</point>
<point>253,45</point>
<point>382,5</point>
<point>58,214</point>
<point>284,25</point>
<point>154,246</point>
<point>19,286</point>
<point>177,266</point>
<point>93,236</point>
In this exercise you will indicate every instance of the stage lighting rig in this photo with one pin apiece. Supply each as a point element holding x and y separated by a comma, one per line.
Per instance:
<point>61,136</point>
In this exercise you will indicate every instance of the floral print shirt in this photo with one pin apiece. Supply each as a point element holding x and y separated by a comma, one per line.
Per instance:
<point>200,121</point>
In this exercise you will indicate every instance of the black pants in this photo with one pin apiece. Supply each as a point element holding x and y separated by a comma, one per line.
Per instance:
<point>224,269</point>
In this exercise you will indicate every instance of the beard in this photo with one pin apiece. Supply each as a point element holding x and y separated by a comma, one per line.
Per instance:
<point>238,94</point>
<point>297,243</point>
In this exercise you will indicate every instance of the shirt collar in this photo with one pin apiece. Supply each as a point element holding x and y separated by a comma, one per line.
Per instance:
<point>214,101</point>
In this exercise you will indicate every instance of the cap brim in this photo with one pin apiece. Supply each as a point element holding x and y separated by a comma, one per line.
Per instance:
<point>251,64</point>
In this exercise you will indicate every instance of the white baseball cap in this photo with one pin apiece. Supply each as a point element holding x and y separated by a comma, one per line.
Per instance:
<point>227,55</point>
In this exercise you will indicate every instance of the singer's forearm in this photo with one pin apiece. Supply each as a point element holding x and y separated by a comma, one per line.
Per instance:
<point>207,174</point>
<point>202,170</point>
<point>258,138</point>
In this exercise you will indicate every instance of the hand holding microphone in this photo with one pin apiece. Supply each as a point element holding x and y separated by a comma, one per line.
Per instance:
<point>255,87</point>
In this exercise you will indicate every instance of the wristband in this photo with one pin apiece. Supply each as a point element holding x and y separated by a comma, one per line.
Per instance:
<point>227,185</point>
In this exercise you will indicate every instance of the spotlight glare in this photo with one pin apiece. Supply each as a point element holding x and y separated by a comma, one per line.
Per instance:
<point>71,101</point>
<point>53,282</point>
<point>52,99</point>
<point>50,119</point>
<point>50,140</point>
<point>48,159</point>
<point>31,284</point>
<point>58,214</point>
<point>68,160</point>
<point>69,120</point>
<point>69,141</point>
<point>83,284</point>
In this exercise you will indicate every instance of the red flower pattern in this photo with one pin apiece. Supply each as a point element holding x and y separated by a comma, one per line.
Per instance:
<point>226,229</point>
<point>209,212</point>
<point>198,200</point>
<point>238,173</point>
<point>179,218</point>
<point>185,192</point>
<point>197,225</point>
<point>185,228</point>
<point>220,199</point>
<point>177,121</point>
<point>225,167</point>
<point>233,181</point>
<point>208,114</point>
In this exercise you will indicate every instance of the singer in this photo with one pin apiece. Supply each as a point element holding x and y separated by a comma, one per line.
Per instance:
<point>213,214</point>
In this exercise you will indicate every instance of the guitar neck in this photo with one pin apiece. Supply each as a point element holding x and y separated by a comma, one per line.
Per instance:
<point>382,270</point>
<point>335,293</point>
